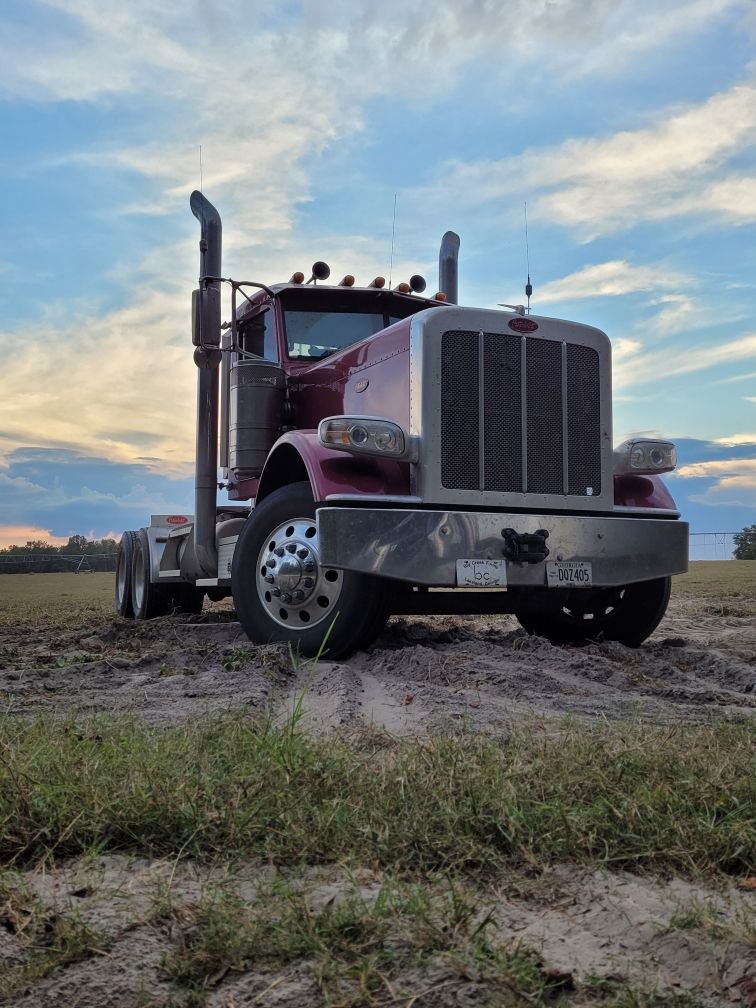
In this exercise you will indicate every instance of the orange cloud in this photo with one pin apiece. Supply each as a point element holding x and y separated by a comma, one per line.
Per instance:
<point>19,535</point>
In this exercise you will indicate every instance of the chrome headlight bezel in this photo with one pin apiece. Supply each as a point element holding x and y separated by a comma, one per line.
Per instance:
<point>367,435</point>
<point>644,457</point>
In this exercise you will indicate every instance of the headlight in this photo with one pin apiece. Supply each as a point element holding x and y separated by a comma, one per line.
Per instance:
<point>366,435</point>
<point>644,457</point>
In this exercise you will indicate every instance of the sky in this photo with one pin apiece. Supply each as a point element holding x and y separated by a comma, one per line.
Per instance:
<point>627,127</point>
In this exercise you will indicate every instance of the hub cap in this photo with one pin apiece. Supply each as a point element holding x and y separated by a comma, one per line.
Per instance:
<point>295,591</point>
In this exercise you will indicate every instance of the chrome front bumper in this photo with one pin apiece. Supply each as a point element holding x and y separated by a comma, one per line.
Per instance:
<point>422,547</point>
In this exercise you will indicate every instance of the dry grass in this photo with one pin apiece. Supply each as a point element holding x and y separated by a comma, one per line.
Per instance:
<point>55,599</point>
<point>718,580</point>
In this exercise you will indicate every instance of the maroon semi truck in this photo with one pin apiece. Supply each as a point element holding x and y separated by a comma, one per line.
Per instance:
<point>385,452</point>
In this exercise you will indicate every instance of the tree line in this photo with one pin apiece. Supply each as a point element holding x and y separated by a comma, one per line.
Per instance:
<point>79,553</point>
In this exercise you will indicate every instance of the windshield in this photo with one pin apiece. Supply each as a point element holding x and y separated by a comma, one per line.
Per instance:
<point>316,334</point>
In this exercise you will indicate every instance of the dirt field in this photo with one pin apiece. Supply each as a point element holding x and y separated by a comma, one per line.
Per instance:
<point>61,648</point>
<point>135,929</point>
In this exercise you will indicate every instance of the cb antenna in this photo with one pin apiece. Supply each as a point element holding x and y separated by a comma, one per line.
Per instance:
<point>393,233</point>
<point>528,285</point>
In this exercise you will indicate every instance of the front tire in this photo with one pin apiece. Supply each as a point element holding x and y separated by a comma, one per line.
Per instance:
<point>282,593</point>
<point>628,614</point>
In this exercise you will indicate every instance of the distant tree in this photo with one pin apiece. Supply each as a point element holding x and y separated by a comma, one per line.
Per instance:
<point>76,544</point>
<point>745,543</point>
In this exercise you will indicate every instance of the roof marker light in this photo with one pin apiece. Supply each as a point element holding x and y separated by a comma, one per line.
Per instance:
<point>403,288</point>
<point>439,296</point>
<point>297,278</point>
<point>348,281</point>
<point>378,282</point>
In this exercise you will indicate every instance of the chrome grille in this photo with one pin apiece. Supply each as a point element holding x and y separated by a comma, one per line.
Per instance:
<point>519,415</point>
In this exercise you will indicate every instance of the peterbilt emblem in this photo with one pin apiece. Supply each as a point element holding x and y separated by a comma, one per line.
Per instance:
<point>176,520</point>
<point>522,324</point>
<point>360,386</point>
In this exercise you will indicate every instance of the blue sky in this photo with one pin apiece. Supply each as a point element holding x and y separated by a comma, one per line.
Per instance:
<point>628,127</point>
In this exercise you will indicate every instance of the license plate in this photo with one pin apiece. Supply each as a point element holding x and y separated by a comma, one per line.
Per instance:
<point>481,573</point>
<point>569,574</point>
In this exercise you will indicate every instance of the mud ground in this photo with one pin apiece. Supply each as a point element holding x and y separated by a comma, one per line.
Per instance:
<point>422,675</point>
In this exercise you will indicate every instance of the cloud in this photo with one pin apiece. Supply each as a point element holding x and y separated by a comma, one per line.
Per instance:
<point>67,492</point>
<point>729,491</point>
<point>679,165</point>
<point>642,366</point>
<point>611,279</point>
<point>729,468</point>
<point>750,398</point>
<point>737,439</point>
<point>731,482</point>
<point>101,49</point>
<point>19,535</point>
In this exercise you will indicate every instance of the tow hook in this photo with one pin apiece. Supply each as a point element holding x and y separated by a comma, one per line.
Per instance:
<point>525,547</point>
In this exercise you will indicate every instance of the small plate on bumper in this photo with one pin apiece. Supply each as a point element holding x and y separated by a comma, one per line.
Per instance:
<point>481,573</point>
<point>569,574</point>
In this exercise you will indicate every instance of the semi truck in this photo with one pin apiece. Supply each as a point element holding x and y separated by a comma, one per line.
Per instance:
<point>386,452</point>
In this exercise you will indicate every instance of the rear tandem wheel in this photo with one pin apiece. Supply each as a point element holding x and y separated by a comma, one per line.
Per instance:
<point>150,600</point>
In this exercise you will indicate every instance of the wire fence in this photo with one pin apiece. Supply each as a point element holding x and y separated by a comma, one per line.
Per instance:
<point>712,545</point>
<point>55,563</point>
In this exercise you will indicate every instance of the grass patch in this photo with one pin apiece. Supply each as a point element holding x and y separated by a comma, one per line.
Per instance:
<point>386,948</point>
<point>630,797</point>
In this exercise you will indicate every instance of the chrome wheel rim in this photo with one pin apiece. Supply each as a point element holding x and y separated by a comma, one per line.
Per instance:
<point>295,591</point>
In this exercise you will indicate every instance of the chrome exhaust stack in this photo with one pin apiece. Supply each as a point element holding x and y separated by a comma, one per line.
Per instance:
<point>206,334</point>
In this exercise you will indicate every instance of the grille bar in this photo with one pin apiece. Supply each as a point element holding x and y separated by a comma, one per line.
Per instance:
<point>519,414</point>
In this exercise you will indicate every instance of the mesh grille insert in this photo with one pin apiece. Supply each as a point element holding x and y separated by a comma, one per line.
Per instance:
<point>561,383</point>
<point>583,424</point>
<point>502,391</point>
<point>460,433</point>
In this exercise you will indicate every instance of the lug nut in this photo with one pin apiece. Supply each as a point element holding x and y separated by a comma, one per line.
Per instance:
<point>269,578</point>
<point>286,597</point>
<point>272,562</point>
<point>308,582</point>
<point>309,567</point>
<point>302,553</point>
<point>298,595</point>
<point>279,552</point>
<point>291,547</point>
<point>275,592</point>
